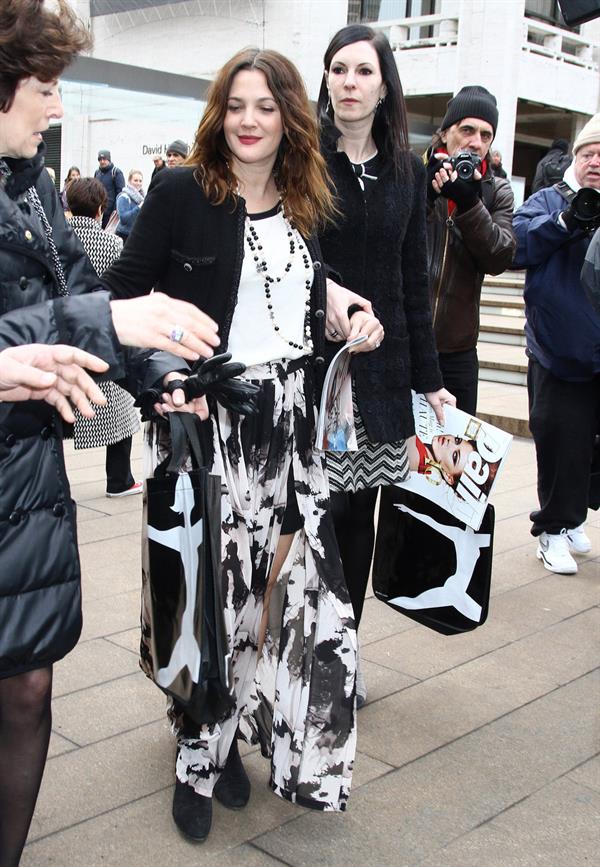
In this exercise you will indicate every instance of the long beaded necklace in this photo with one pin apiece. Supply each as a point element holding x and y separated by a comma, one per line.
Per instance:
<point>262,269</point>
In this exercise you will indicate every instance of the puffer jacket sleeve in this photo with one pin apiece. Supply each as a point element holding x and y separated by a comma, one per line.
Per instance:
<point>489,236</point>
<point>425,372</point>
<point>82,321</point>
<point>81,276</point>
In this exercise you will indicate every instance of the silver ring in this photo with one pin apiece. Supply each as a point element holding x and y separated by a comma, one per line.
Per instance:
<point>334,333</point>
<point>176,334</point>
<point>378,344</point>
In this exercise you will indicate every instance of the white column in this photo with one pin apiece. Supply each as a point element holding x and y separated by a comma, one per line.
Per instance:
<point>490,35</point>
<point>302,31</point>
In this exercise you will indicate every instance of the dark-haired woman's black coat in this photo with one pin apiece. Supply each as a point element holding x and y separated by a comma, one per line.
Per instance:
<point>378,247</point>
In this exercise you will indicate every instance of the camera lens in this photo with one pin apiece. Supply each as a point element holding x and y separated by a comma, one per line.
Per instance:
<point>464,170</point>
<point>586,204</point>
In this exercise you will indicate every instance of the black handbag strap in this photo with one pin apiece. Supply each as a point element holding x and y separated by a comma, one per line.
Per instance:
<point>184,440</point>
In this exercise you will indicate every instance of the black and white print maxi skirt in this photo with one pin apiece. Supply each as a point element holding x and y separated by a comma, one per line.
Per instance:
<point>298,699</point>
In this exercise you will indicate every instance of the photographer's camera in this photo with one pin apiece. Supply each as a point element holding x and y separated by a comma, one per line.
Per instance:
<point>464,163</point>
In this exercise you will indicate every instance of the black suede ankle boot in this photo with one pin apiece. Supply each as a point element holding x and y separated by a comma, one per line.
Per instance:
<point>192,813</point>
<point>233,786</point>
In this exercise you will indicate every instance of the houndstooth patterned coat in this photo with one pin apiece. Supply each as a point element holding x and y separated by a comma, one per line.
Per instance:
<point>118,419</point>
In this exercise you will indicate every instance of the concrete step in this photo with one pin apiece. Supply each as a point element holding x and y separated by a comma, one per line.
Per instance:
<point>504,406</point>
<point>502,363</point>
<point>508,280</point>
<point>502,329</point>
<point>502,305</point>
<point>501,349</point>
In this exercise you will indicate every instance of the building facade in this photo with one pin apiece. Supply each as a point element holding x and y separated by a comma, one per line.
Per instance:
<point>153,60</point>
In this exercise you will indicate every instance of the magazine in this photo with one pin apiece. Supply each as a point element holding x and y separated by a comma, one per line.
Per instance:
<point>335,425</point>
<point>455,465</point>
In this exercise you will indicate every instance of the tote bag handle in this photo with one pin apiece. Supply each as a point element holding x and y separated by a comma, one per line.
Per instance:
<point>185,440</point>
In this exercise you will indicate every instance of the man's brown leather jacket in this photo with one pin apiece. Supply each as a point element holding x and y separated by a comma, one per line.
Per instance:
<point>462,250</point>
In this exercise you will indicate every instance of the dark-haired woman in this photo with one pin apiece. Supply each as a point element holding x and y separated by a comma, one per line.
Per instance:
<point>377,249</point>
<point>46,296</point>
<point>234,231</point>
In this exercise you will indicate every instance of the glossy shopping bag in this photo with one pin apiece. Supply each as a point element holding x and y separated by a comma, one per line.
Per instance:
<point>184,643</point>
<point>430,566</point>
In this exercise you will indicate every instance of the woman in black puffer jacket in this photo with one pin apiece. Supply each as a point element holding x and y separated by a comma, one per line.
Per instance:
<point>45,281</point>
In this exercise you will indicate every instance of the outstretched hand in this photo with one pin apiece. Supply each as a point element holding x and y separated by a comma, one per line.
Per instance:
<point>53,373</point>
<point>157,321</point>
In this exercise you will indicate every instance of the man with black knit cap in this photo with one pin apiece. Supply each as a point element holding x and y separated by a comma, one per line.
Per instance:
<point>469,223</point>
<point>112,180</point>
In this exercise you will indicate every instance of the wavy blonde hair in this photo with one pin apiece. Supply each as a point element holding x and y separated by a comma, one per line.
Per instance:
<point>300,171</point>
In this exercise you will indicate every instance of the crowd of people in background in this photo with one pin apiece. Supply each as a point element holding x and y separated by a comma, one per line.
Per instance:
<point>355,236</point>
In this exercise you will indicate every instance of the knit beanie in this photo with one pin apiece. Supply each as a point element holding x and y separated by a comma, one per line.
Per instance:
<point>590,134</point>
<point>178,147</point>
<point>560,144</point>
<point>471,101</point>
<point>104,155</point>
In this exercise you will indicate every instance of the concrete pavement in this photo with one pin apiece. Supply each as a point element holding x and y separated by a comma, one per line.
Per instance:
<point>480,749</point>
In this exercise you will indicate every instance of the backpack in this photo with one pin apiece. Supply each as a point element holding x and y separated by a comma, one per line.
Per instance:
<point>554,169</point>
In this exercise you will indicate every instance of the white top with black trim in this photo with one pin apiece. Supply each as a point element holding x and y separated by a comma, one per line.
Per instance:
<point>252,338</point>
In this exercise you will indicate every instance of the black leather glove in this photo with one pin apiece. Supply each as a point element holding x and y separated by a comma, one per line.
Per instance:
<point>465,194</point>
<point>217,376</point>
<point>569,220</point>
<point>239,396</point>
<point>146,401</point>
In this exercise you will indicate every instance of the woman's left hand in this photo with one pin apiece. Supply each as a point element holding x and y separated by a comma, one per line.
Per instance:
<point>437,399</point>
<point>339,299</point>
<point>369,326</point>
<point>176,402</point>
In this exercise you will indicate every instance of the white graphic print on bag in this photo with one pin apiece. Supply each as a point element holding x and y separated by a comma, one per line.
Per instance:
<point>468,545</point>
<point>186,540</point>
<point>430,566</point>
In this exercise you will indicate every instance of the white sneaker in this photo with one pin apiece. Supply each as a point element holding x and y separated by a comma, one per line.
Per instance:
<point>553,551</point>
<point>578,541</point>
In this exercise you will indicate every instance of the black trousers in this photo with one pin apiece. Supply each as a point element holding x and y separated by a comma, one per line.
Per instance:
<point>118,467</point>
<point>564,418</point>
<point>353,515</point>
<point>460,374</point>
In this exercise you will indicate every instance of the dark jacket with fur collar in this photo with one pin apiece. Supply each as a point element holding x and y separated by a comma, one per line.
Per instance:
<point>378,248</point>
